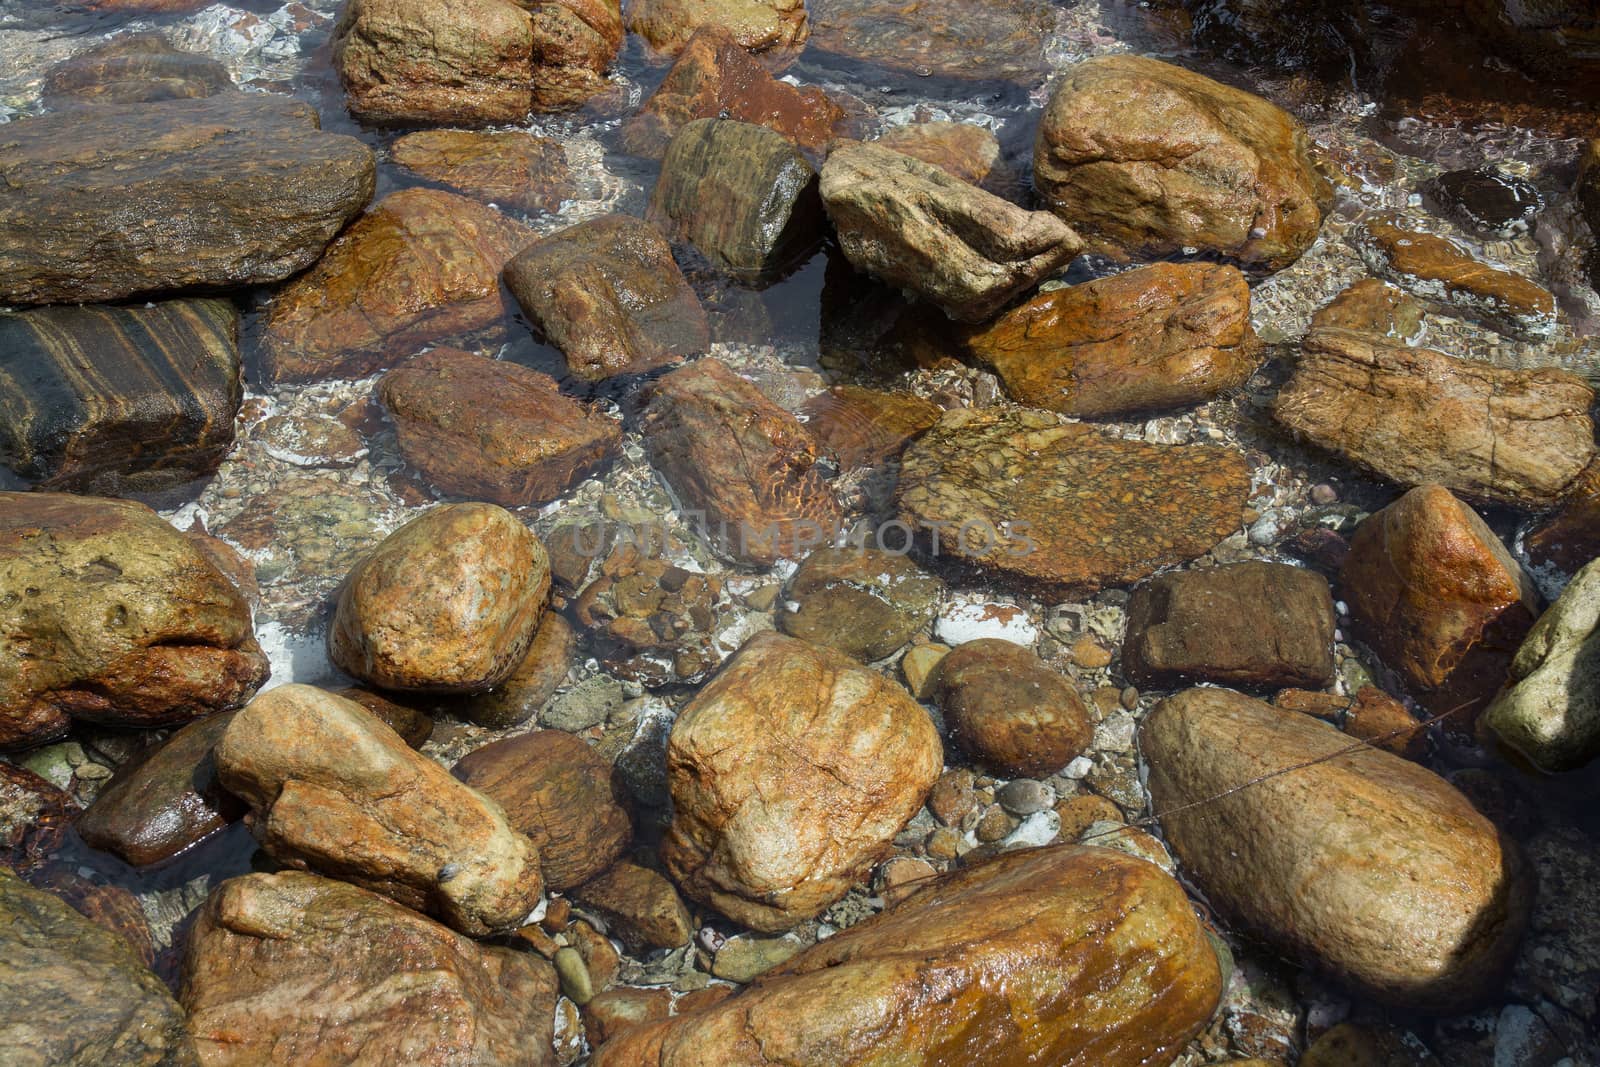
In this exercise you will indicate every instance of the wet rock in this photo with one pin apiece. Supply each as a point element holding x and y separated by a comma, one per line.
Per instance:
<point>137,68</point>
<point>559,792</point>
<point>493,430</point>
<point>1371,306</point>
<point>778,26</point>
<point>744,959</point>
<point>1439,271</point>
<point>76,993</point>
<point>1571,537</point>
<point>119,400</point>
<point>1371,715</point>
<point>964,149</point>
<point>1416,416</point>
<point>612,1013</point>
<point>422,267</point>
<point>519,698</point>
<point>1368,865</point>
<point>91,193</point>
<point>509,167</point>
<point>864,602</point>
<point>309,440</point>
<point>1118,970</point>
<point>109,615</point>
<point>1147,159</point>
<point>745,464</point>
<point>742,194</point>
<point>447,603</point>
<point>640,908</point>
<point>915,226</point>
<point>919,666</point>
<point>791,771</point>
<point>1266,625</point>
<point>110,907</point>
<point>1008,709</point>
<point>413,726</point>
<point>34,818</point>
<point>333,789</point>
<point>862,426</point>
<point>376,982</point>
<point>1486,200</point>
<point>574,41</point>
<point>1355,1045</point>
<point>1065,507</point>
<point>1163,336</point>
<point>976,40</point>
<point>1436,595</point>
<point>608,293</point>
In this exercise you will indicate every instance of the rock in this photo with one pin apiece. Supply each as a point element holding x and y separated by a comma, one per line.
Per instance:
<point>1024,796</point>
<point>1008,709</point>
<point>109,615</point>
<point>744,959</point>
<point>412,725</point>
<point>574,41</point>
<point>640,908</point>
<point>589,703</point>
<point>333,789</point>
<point>715,77</point>
<point>493,430</point>
<point>76,994</point>
<point>377,982</point>
<point>1416,416</point>
<point>509,167</point>
<point>790,772</point>
<point>1379,719</point>
<point>1571,537</point>
<point>619,1010</point>
<point>484,580</point>
<point>519,698</point>
<point>747,466</point>
<point>1355,1045</point>
<point>866,602</point>
<point>1587,191</point>
<point>971,617</point>
<point>863,427</point>
<point>1146,159</point>
<point>1436,595</point>
<point>1118,972</point>
<point>1441,272</point>
<point>157,806</point>
<point>135,68</point>
<point>422,267</point>
<point>119,400</point>
<point>778,26</point>
<point>1488,200</point>
<point>1163,336</point>
<point>1065,507</point>
<point>1549,711</point>
<point>608,293</point>
<point>1265,625</point>
<point>964,149</point>
<point>970,40</point>
<point>574,974</point>
<point>109,907</point>
<point>91,193</point>
<point>34,819</point>
<point>914,226</point>
<point>559,792</point>
<point>920,665</point>
<point>742,194</point>
<point>1371,306</point>
<point>1368,865</point>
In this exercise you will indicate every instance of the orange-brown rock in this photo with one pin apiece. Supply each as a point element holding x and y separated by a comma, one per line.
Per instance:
<point>518,698</point>
<point>1360,862</point>
<point>422,267</point>
<point>493,430</point>
<point>333,789</point>
<point>640,907</point>
<point>1068,955</point>
<point>966,150</point>
<point>574,41</point>
<point>134,68</point>
<point>1371,306</point>
<point>34,819</point>
<point>1008,709</point>
<point>975,40</point>
<point>559,792</point>
<point>510,167</point>
<point>862,426</point>
<point>609,1014</point>
<point>790,773</point>
<point>746,465</point>
<point>1163,336</point>
<point>1436,595</point>
<point>1571,537</point>
<point>413,726</point>
<point>1371,715</point>
<point>776,26</point>
<point>292,968</point>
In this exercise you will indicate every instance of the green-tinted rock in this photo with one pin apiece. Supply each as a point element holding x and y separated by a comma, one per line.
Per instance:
<point>742,959</point>
<point>864,602</point>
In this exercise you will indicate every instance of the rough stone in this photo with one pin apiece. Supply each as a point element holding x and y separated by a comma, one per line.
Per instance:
<point>519,698</point>
<point>34,818</point>
<point>1371,306</point>
<point>970,40</point>
<point>640,907</point>
<point>574,41</point>
<point>509,167</point>
<point>135,68</point>
<point>777,26</point>
<point>862,426</point>
<point>864,602</point>
<point>1008,709</point>
<point>744,959</point>
<point>620,1010</point>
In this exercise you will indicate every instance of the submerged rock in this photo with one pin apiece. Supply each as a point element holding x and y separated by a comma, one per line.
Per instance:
<point>865,602</point>
<point>639,906</point>
<point>1009,710</point>
<point>1489,200</point>
<point>1374,307</point>
<point>964,149</point>
<point>862,426</point>
<point>975,40</point>
<point>136,68</point>
<point>778,26</point>
<point>1571,537</point>
<point>509,167</point>
<point>519,698</point>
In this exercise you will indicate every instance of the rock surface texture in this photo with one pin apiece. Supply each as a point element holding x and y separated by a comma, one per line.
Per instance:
<point>507,167</point>
<point>1006,708</point>
<point>778,26</point>
<point>972,40</point>
<point>864,602</point>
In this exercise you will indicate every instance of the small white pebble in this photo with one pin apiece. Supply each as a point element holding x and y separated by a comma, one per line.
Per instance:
<point>1079,768</point>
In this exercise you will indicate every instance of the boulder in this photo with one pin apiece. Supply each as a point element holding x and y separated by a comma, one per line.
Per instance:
<point>422,267</point>
<point>493,430</point>
<point>862,426</point>
<point>510,167</point>
<point>790,773</point>
<point>331,788</point>
<point>1009,710</point>
<point>1374,307</point>
<point>1064,955</point>
<point>963,149</point>
<point>519,698</point>
<point>574,41</point>
<point>91,194</point>
<point>292,968</point>
<point>608,293</point>
<point>967,40</point>
<point>913,225</point>
<point>778,26</point>
<point>1367,865</point>
<point>448,603</point>
<point>865,602</point>
<point>109,615</point>
<point>1146,159</point>
<point>1164,336</point>
<point>135,68</point>
<point>639,906</point>
<point>1416,416</point>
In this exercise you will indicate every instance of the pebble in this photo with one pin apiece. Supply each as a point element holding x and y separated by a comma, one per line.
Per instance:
<point>1079,768</point>
<point>1036,831</point>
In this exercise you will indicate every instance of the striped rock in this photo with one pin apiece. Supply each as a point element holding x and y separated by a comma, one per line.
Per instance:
<point>119,400</point>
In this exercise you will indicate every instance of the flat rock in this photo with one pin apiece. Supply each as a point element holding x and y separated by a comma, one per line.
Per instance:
<point>422,267</point>
<point>136,68</point>
<point>493,430</point>
<point>1164,336</point>
<point>91,194</point>
<point>790,773</point>
<point>1363,863</point>
<point>1066,507</point>
<point>509,167</point>
<point>1375,307</point>
<point>864,602</point>
<point>109,615</point>
<point>970,40</point>
<point>777,26</point>
<point>862,426</point>
<point>1062,955</point>
<point>330,787</point>
<point>293,968</point>
<point>1009,710</point>
<point>915,226</point>
<point>1416,416</point>
<point>1147,159</point>
<point>519,698</point>
<point>639,906</point>
<point>608,293</point>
